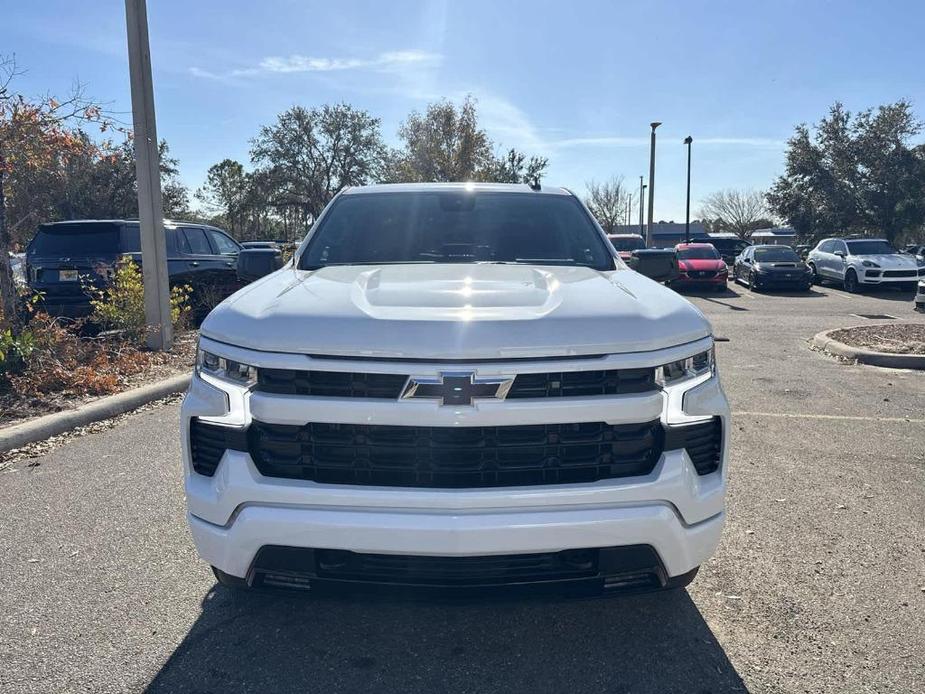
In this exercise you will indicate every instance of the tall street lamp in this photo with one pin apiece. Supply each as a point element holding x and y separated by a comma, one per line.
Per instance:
<point>687,218</point>
<point>642,207</point>
<point>653,125</point>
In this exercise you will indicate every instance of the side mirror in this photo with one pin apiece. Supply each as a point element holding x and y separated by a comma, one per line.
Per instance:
<point>840,254</point>
<point>254,263</point>
<point>657,264</point>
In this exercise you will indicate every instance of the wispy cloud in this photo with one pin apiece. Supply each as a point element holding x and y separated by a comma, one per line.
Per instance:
<point>390,61</point>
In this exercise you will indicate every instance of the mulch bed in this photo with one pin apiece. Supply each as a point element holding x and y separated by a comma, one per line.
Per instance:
<point>893,338</point>
<point>15,407</point>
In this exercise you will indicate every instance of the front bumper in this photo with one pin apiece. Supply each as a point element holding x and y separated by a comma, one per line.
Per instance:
<point>875,277</point>
<point>237,512</point>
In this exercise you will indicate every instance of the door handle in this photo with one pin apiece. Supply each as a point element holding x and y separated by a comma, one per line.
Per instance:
<point>229,263</point>
<point>194,263</point>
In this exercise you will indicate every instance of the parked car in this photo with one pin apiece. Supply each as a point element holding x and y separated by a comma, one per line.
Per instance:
<point>625,244</point>
<point>456,386</point>
<point>917,251</point>
<point>700,265</point>
<point>728,248</point>
<point>858,263</point>
<point>64,258</point>
<point>802,250</point>
<point>766,267</point>
<point>920,296</point>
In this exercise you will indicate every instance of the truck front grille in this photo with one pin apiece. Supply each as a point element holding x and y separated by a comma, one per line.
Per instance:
<point>343,384</point>
<point>455,457</point>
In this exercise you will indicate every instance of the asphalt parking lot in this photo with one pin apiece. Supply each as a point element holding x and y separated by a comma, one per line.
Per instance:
<point>818,585</point>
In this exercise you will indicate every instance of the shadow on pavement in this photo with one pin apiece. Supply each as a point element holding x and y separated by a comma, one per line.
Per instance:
<point>886,293</point>
<point>285,643</point>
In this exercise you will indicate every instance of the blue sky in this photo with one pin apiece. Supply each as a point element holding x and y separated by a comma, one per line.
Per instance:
<point>577,82</point>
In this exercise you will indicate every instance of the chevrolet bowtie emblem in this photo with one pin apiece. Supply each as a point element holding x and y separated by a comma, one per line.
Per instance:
<point>457,388</point>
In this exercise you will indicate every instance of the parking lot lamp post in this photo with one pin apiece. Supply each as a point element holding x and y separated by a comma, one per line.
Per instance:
<point>653,125</point>
<point>687,217</point>
<point>642,207</point>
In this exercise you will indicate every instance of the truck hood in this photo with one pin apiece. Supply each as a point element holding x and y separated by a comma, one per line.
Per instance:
<point>455,311</point>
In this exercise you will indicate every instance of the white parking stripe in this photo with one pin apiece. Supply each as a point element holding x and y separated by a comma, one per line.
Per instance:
<point>791,415</point>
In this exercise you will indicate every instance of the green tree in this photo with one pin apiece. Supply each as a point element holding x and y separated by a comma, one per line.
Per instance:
<point>308,155</point>
<point>225,193</point>
<point>446,144</point>
<point>854,174</point>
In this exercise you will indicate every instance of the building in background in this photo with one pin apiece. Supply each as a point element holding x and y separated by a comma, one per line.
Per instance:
<point>664,234</point>
<point>775,236</point>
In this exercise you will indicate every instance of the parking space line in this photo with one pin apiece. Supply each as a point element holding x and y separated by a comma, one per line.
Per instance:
<point>849,418</point>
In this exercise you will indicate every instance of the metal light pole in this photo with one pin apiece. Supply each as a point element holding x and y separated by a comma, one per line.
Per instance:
<point>687,217</point>
<point>653,125</point>
<point>147,173</point>
<point>642,207</point>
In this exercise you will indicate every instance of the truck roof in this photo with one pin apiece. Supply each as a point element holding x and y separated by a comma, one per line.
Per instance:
<point>455,187</point>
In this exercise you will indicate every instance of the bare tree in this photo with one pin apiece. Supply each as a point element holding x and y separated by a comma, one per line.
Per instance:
<point>738,211</point>
<point>608,202</point>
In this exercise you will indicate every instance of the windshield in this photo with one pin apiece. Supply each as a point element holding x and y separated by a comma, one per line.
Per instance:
<point>456,227</point>
<point>75,240</point>
<point>775,255</point>
<point>870,248</point>
<point>698,253</point>
<point>627,243</point>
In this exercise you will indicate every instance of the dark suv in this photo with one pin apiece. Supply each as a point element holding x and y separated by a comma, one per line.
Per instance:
<point>65,257</point>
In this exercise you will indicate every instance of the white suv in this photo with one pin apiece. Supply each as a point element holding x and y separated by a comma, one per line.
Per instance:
<point>456,386</point>
<point>859,263</point>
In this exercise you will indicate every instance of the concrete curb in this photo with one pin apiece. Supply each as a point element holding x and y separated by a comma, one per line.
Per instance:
<point>866,356</point>
<point>104,408</point>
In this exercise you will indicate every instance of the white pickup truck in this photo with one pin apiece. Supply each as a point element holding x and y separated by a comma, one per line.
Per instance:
<point>456,386</point>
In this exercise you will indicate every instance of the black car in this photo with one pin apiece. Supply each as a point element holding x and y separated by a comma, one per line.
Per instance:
<point>65,257</point>
<point>764,267</point>
<point>728,247</point>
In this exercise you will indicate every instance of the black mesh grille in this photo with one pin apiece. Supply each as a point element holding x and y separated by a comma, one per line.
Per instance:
<point>703,442</point>
<point>208,442</point>
<point>900,273</point>
<point>455,457</point>
<point>583,383</point>
<point>626,567</point>
<point>390,386</point>
<point>331,384</point>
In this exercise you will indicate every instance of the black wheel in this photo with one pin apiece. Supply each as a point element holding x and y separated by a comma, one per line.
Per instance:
<point>815,278</point>
<point>851,281</point>
<point>229,581</point>
<point>751,282</point>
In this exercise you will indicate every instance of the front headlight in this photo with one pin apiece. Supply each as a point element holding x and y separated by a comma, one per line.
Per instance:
<point>869,263</point>
<point>685,369</point>
<point>225,369</point>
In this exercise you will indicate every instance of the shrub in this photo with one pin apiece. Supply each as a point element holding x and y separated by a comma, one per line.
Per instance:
<point>122,305</point>
<point>48,358</point>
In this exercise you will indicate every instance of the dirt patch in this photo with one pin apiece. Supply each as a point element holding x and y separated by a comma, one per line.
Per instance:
<point>893,338</point>
<point>17,407</point>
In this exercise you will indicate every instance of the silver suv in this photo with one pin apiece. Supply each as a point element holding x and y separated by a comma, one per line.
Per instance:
<point>857,263</point>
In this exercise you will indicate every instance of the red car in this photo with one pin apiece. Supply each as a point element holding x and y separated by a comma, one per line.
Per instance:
<point>701,266</point>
